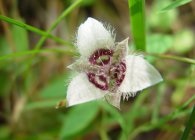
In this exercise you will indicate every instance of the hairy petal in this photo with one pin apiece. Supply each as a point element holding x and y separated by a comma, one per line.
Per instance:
<point>92,35</point>
<point>139,75</point>
<point>80,90</point>
<point>114,99</point>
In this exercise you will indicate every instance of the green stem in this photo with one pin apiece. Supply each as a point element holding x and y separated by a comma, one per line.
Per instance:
<point>57,21</point>
<point>25,53</point>
<point>157,104</point>
<point>178,58</point>
<point>179,112</point>
<point>33,29</point>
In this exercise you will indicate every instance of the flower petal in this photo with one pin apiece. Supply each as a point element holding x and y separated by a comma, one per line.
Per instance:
<point>120,51</point>
<point>114,99</point>
<point>92,35</point>
<point>80,90</point>
<point>82,65</point>
<point>139,75</point>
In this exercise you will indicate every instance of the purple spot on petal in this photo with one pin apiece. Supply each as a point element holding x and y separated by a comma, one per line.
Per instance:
<point>110,75</point>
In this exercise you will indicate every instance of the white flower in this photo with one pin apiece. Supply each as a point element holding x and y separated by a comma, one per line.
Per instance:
<point>105,68</point>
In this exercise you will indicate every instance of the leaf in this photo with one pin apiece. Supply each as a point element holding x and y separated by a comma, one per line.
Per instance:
<point>163,21</point>
<point>78,118</point>
<point>57,21</point>
<point>5,132</point>
<point>189,125</point>
<point>56,88</point>
<point>20,38</point>
<point>175,4</point>
<point>5,49</point>
<point>158,44</point>
<point>183,41</point>
<point>137,21</point>
<point>5,84</point>
<point>51,94</point>
<point>33,29</point>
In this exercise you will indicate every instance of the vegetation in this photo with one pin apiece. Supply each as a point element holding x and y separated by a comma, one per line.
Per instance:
<point>37,44</point>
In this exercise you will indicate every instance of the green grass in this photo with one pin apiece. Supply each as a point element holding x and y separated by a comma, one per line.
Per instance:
<point>137,23</point>
<point>32,29</point>
<point>41,82</point>
<point>175,4</point>
<point>56,22</point>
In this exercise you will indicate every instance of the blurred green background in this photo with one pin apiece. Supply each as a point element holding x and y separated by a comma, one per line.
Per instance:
<point>37,43</point>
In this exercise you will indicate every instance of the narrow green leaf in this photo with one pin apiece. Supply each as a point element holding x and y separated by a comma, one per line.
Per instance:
<point>175,4</point>
<point>189,125</point>
<point>5,49</point>
<point>41,104</point>
<point>137,21</point>
<point>20,38</point>
<point>29,52</point>
<point>177,113</point>
<point>57,21</point>
<point>18,54</point>
<point>78,118</point>
<point>33,29</point>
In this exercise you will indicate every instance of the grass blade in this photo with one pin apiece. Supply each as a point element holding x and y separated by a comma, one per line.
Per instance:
<point>30,52</point>
<point>189,125</point>
<point>179,112</point>
<point>32,29</point>
<point>57,21</point>
<point>175,4</point>
<point>137,20</point>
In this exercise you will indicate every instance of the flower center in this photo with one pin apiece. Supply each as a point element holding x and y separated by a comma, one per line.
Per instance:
<point>110,75</point>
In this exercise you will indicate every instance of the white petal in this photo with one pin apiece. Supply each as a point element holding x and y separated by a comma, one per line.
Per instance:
<point>114,99</point>
<point>139,75</point>
<point>91,36</point>
<point>80,90</point>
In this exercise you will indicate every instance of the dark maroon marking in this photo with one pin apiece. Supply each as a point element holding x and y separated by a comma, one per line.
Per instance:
<point>119,73</point>
<point>97,54</point>
<point>110,75</point>
<point>92,78</point>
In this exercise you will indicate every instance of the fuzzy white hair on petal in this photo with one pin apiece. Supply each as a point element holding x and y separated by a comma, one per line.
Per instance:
<point>139,75</point>
<point>92,35</point>
<point>80,90</point>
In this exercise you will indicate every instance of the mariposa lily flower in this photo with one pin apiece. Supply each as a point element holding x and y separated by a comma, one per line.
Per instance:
<point>106,70</point>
